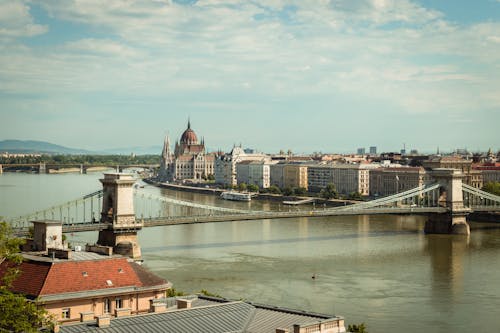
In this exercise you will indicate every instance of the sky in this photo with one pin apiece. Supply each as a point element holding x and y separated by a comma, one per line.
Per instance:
<point>309,76</point>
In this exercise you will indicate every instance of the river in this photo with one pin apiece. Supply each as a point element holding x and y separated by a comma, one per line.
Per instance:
<point>380,270</point>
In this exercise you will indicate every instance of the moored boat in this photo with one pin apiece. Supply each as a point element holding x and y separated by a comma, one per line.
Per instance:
<point>236,196</point>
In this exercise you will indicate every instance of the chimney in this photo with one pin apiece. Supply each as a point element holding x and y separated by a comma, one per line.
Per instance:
<point>184,303</point>
<point>47,234</point>
<point>103,321</point>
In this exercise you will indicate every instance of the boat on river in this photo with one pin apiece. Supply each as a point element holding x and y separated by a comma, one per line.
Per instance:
<point>236,196</point>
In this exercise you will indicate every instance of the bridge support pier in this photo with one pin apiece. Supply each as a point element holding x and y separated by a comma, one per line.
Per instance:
<point>118,209</point>
<point>447,223</point>
<point>42,168</point>
<point>454,221</point>
<point>1,169</point>
<point>124,243</point>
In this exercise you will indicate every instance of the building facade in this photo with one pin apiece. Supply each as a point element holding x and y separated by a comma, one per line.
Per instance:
<point>225,165</point>
<point>387,181</point>
<point>253,172</point>
<point>70,284</point>
<point>188,161</point>
<point>319,176</point>
<point>295,176</point>
<point>347,178</point>
<point>472,177</point>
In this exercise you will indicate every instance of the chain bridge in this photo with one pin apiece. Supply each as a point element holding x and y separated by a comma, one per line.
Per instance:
<point>98,211</point>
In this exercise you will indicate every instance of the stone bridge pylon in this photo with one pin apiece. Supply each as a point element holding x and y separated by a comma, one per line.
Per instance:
<point>118,210</point>
<point>451,196</point>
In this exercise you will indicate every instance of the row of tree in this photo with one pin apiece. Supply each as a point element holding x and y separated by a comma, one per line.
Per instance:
<point>82,159</point>
<point>492,187</point>
<point>329,192</point>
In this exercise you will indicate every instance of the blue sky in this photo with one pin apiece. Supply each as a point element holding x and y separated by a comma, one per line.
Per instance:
<point>323,75</point>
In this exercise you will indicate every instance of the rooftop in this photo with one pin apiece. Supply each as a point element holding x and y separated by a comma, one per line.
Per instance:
<point>212,315</point>
<point>44,277</point>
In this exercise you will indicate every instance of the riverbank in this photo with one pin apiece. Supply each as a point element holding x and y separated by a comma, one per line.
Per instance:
<point>257,196</point>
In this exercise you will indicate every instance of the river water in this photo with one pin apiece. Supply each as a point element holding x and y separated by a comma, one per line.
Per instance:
<point>380,270</point>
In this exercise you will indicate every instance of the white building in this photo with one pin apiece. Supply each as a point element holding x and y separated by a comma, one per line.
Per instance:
<point>225,165</point>
<point>253,172</point>
<point>347,178</point>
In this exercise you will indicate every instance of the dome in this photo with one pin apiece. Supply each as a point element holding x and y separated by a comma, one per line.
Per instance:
<point>189,136</point>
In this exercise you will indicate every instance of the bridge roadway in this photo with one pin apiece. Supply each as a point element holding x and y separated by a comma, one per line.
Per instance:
<point>174,220</point>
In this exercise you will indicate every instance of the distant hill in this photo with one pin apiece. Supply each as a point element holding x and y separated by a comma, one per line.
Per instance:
<point>41,147</point>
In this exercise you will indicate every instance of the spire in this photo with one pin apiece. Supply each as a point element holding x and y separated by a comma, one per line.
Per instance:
<point>189,122</point>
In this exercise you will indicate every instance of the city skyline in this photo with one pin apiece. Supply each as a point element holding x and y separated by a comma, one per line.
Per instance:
<point>328,76</point>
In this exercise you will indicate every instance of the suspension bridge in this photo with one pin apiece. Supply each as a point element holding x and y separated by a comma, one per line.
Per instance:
<point>99,210</point>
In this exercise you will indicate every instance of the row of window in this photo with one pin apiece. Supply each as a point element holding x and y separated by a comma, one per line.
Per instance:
<point>66,312</point>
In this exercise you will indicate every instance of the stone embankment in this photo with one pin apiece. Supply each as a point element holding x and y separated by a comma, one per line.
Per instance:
<point>258,196</point>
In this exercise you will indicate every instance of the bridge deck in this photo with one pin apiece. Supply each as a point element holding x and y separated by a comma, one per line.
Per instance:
<point>174,220</point>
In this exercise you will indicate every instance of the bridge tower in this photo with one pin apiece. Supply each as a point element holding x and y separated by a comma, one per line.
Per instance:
<point>451,196</point>
<point>118,209</point>
<point>42,168</point>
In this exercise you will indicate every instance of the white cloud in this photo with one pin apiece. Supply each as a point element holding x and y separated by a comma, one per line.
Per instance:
<point>158,48</point>
<point>16,21</point>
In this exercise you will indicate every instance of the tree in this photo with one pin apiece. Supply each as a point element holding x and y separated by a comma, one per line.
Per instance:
<point>274,189</point>
<point>299,191</point>
<point>361,328</point>
<point>329,192</point>
<point>355,196</point>
<point>287,191</point>
<point>242,186</point>
<point>492,187</point>
<point>252,188</point>
<point>17,314</point>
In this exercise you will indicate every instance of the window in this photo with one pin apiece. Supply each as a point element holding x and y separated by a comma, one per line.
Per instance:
<point>107,305</point>
<point>65,314</point>
<point>118,303</point>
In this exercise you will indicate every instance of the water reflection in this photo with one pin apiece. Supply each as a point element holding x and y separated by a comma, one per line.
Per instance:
<point>446,258</point>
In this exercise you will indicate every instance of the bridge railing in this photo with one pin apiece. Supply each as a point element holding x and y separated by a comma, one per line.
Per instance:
<point>478,199</point>
<point>82,210</point>
<point>426,195</point>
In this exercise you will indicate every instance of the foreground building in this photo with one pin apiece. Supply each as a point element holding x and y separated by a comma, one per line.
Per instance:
<point>70,284</point>
<point>201,314</point>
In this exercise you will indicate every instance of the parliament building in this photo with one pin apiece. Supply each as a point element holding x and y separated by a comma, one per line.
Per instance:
<point>189,161</point>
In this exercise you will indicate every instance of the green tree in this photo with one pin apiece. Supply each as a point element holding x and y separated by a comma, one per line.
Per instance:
<point>299,191</point>
<point>355,196</point>
<point>329,192</point>
<point>253,188</point>
<point>287,191</point>
<point>208,293</point>
<point>361,328</point>
<point>242,186</point>
<point>274,189</point>
<point>492,187</point>
<point>17,314</point>
<point>172,293</point>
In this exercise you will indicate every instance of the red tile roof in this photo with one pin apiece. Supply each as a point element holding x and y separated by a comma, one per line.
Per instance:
<point>47,278</point>
<point>31,277</point>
